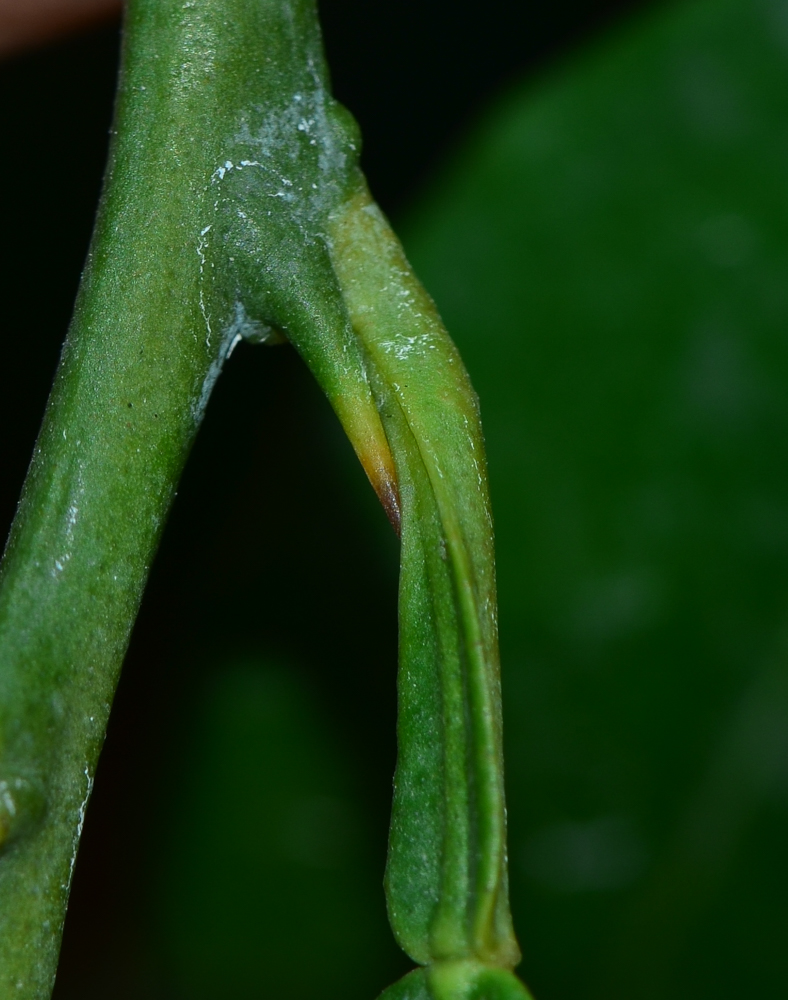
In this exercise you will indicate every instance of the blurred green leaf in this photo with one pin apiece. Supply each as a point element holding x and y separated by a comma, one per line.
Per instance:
<point>610,252</point>
<point>268,884</point>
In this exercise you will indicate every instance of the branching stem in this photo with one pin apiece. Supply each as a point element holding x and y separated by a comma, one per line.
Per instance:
<point>234,208</point>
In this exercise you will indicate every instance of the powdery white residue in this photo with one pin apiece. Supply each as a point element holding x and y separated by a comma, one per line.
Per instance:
<point>241,327</point>
<point>219,173</point>
<point>201,254</point>
<point>72,515</point>
<point>403,346</point>
<point>279,143</point>
<point>196,23</point>
<point>60,563</point>
<point>213,373</point>
<point>80,823</point>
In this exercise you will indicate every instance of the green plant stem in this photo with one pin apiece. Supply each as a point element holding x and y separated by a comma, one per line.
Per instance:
<point>234,208</point>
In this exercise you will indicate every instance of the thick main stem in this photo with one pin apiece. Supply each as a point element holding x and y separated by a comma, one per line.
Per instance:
<point>217,102</point>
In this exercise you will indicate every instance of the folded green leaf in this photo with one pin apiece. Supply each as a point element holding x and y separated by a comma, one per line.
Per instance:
<point>446,876</point>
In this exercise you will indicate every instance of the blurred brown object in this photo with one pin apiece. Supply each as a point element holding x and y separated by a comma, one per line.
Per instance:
<point>27,23</point>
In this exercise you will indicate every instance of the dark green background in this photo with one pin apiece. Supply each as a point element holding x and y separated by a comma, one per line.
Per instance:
<point>609,247</point>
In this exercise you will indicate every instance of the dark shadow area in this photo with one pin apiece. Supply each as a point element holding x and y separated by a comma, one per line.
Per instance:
<point>413,72</point>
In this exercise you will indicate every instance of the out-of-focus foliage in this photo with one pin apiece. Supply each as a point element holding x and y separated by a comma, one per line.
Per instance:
<point>268,882</point>
<point>610,253</point>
